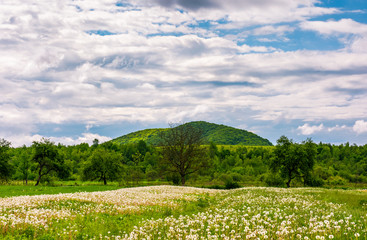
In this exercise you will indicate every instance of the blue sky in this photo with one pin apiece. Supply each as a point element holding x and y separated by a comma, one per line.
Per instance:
<point>74,70</point>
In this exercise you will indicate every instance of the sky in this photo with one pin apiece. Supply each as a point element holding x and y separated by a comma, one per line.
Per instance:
<point>76,70</point>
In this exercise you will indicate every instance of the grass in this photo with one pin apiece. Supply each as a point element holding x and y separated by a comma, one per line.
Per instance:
<point>11,191</point>
<point>172,212</point>
<point>65,187</point>
<point>16,188</point>
<point>85,215</point>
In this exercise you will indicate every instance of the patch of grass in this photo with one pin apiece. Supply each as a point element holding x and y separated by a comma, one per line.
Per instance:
<point>168,212</point>
<point>12,191</point>
<point>351,198</point>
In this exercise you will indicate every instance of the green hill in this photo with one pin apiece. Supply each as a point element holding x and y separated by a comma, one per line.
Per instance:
<point>219,134</point>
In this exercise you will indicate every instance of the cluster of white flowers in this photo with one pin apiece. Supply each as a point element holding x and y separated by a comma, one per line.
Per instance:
<point>259,213</point>
<point>39,210</point>
<point>247,213</point>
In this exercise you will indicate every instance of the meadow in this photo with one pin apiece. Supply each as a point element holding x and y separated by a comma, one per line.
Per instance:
<point>174,212</point>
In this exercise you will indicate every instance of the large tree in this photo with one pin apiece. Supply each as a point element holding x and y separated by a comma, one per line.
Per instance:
<point>5,167</point>
<point>293,159</point>
<point>103,165</point>
<point>47,158</point>
<point>182,150</point>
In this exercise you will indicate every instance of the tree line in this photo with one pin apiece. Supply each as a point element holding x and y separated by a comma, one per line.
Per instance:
<point>183,156</point>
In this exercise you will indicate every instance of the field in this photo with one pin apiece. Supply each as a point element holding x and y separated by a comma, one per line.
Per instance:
<point>172,212</point>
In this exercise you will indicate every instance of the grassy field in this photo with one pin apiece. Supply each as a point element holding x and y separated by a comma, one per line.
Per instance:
<point>17,188</point>
<point>172,212</point>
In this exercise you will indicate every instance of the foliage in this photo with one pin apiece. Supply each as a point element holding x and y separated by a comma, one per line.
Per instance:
<point>103,165</point>
<point>334,165</point>
<point>5,167</point>
<point>219,134</point>
<point>182,150</point>
<point>23,165</point>
<point>47,158</point>
<point>274,180</point>
<point>292,159</point>
<point>151,136</point>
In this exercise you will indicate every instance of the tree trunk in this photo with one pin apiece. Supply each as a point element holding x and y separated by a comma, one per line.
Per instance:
<point>38,180</point>
<point>39,176</point>
<point>104,181</point>
<point>289,183</point>
<point>183,180</point>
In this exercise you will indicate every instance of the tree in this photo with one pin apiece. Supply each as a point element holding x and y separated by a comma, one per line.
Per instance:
<point>23,163</point>
<point>47,158</point>
<point>103,165</point>
<point>292,159</point>
<point>5,167</point>
<point>182,150</point>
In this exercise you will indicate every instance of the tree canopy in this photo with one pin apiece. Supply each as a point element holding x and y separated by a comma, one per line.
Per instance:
<point>293,159</point>
<point>103,165</point>
<point>5,167</point>
<point>47,158</point>
<point>182,150</point>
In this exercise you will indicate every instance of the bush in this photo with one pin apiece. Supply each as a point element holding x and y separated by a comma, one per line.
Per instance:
<point>151,174</point>
<point>226,178</point>
<point>232,185</point>
<point>231,180</point>
<point>336,180</point>
<point>314,182</point>
<point>175,178</point>
<point>236,177</point>
<point>273,180</point>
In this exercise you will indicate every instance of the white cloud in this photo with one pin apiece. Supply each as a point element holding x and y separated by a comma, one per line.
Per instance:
<point>269,29</point>
<point>307,129</point>
<point>359,44</point>
<point>20,140</point>
<point>360,127</point>
<point>348,26</point>
<point>159,64</point>
<point>337,128</point>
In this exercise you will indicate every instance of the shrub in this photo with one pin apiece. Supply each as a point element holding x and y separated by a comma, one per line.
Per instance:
<point>236,177</point>
<point>336,180</point>
<point>314,182</point>
<point>273,180</point>
<point>232,185</point>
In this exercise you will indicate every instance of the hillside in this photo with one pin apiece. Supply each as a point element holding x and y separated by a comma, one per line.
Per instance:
<point>219,134</point>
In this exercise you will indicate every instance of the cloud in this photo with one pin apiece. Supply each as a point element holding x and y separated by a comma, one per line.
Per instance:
<point>172,60</point>
<point>358,44</point>
<point>307,129</point>
<point>20,140</point>
<point>337,128</point>
<point>269,29</point>
<point>360,127</point>
<point>188,4</point>
<point>345,26</point>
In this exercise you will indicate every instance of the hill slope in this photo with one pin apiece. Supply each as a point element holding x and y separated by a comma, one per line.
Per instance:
<point>219,134</point>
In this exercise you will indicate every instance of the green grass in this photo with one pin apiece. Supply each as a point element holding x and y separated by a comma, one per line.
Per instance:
<point>16,188</point>
<point>168,212</point>
<point>11,191</point>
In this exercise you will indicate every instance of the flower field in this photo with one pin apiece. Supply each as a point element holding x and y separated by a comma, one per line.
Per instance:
<point>169,212</point>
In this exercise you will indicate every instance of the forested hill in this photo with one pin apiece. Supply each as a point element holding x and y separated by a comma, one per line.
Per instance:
<point>218,134</point>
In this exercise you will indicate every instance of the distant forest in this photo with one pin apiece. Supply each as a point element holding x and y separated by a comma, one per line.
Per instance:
<point>130,164</point>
